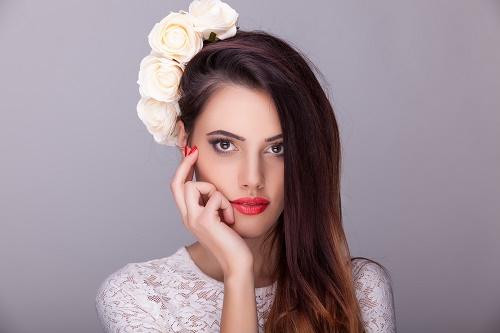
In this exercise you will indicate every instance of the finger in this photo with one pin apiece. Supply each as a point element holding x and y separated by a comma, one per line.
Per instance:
<point>191,169</point>
<point>183,174</point>
<point>190,174</point>
<point>192,161</point>
<point>218,201</point>
<point>193,192</point>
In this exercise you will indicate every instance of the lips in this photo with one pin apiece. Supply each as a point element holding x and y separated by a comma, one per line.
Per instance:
<point>251,201</point>
<point>250,206</point>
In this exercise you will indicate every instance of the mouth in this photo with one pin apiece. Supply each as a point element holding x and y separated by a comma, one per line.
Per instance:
<point>249,209</point>
<point>251,201</point>
<point>250,206</point>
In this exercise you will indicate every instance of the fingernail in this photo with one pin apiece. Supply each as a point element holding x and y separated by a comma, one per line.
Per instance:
<point>185,150</point>
<point>192,150</point>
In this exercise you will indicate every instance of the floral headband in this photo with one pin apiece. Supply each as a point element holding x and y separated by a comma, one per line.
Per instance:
<point>174,41</point>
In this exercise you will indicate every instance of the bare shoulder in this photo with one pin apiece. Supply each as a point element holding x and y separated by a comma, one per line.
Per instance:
<point>373,286</point>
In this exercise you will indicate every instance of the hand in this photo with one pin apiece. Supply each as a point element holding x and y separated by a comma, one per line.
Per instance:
<point>204,220</point>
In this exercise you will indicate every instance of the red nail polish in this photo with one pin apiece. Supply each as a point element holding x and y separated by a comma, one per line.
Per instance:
<point>185,150</point>
<point>192,150</point>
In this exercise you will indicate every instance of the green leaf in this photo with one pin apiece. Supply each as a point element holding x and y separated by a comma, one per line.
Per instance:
<point>212,37</point>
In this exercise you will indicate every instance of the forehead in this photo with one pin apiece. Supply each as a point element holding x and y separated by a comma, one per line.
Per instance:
<point>241,110</point>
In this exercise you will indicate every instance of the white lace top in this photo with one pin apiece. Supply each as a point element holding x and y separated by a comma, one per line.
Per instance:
<point>172,294</point>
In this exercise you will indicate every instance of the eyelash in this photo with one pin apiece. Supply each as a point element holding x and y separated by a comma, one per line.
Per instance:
<point>216,141</point>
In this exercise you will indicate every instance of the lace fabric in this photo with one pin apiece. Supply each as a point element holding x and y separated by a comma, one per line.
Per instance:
<point>375,297</point>
<point>172,294</point>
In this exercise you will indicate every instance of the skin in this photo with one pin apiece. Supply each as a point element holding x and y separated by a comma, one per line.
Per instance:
<point>228,241</point>
<point>251,168</point>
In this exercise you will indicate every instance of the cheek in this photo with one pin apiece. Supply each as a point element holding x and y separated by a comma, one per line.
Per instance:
<point>214,169</point>
<point>204,165</point>
<point>275,172</point>
<point>210,170</point>
<point>275,183</point>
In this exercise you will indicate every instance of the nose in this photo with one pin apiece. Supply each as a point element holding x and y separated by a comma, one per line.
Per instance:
<point>251,176</point>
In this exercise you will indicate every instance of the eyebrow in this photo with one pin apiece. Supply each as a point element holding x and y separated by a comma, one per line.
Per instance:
<point>240,138</point>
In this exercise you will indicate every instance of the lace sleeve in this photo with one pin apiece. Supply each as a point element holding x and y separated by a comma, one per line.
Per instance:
<point>375,297</point>
<point>123,305</point>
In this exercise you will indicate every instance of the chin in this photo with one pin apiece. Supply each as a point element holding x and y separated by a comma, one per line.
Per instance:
<point>250,226</point>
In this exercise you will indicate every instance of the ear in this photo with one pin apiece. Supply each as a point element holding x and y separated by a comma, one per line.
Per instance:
<point>181,136</point>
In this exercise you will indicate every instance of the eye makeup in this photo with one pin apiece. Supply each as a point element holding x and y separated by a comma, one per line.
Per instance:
<point>240,138</point>
<point>214,142</point>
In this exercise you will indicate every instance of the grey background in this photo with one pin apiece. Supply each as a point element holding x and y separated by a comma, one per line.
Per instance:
<point>85,190</point>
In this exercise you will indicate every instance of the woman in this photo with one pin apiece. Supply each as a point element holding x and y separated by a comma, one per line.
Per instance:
<point>259,135</point>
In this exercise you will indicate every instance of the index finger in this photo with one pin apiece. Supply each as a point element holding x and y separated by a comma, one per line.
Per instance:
<point>183,174</point>
<point>193,193</point>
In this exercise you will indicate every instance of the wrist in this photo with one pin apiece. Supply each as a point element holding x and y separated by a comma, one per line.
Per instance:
<point>240,268</point>
<point>240,273</point>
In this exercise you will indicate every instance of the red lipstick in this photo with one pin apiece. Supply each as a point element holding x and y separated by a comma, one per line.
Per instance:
<point>249,205</point>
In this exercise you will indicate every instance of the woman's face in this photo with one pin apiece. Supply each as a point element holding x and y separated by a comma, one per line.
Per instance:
<point>246,166</point>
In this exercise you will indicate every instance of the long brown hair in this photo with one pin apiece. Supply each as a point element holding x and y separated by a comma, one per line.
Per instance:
<point>315,290</point>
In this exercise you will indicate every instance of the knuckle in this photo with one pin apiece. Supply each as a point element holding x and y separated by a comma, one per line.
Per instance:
<point>216,194</point>
<point>210,185</point>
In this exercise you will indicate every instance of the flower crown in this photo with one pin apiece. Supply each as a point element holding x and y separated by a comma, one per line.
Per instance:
<point>174,41</point>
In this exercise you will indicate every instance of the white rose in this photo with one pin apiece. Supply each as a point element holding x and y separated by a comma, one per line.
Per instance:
<point>174,37</point>
<point>214,16</point>
<point>159,118</point>
<point>159,78</point>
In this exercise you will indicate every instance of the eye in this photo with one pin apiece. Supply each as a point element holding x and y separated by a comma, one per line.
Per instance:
<point>278,149</point>
<point>224,145</point>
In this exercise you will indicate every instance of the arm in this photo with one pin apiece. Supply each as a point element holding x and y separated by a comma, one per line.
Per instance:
<point>239,311</point>
<point>375,297</point>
